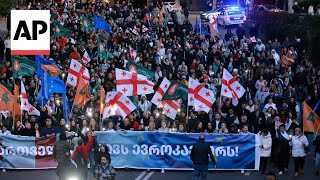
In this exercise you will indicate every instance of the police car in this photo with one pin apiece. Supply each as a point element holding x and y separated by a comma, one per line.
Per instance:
<point>229,17</point>
<point>206,15</point>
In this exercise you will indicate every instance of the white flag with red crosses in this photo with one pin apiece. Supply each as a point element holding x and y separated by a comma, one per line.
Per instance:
<point>199,97</point>
<point>133,53</point>
<point>117,104</point>
<point>86,58</point>
<point>144,29</point>
<point>170,108</point>
<point>231,88</point>
<point>77,70</point>
<point>135,30</point>
<point>132,84</point>
<point>160,92</point>
<point>25,105</point>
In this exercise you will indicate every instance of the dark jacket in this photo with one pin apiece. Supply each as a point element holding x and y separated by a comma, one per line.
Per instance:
<point>316,144</point>
<point>45,131</point>
<point>60,149</point>
<point>199,153</point>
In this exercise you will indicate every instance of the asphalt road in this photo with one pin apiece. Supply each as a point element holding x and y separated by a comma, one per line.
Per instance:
<point>132,174</point>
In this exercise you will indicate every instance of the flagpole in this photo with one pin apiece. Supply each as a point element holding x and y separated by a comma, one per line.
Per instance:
<point>71,111</point>
<point>14,102</point>
<point>184,45</point>
<point>200,24</point>
<point>315,136</point>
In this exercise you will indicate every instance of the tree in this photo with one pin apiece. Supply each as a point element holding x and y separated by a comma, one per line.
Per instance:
<point>6,5</point>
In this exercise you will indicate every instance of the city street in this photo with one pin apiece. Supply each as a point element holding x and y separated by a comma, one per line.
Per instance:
<point>168,175</point>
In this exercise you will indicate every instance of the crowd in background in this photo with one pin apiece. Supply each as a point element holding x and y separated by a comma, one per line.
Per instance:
<point>272,105</point>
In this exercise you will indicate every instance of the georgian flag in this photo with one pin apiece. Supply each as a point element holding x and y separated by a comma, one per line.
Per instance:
<point>199,97</point>
<point>170,108</point>
<point>86,58</point>
<point>133,53</point>
<point>25,105</point>
<point>144,29</point>
<point>160,92</point>
<point>231,88</point>
<point>188,45</point>
<point>135,30</point>
<point>253,39</point>
<point>77,70</point>
<point>214,23</point>
<point>132,84</point>
<point>117,104</point>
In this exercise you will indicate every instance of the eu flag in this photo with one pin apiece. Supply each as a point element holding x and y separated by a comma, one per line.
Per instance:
<point>101,24</point>
<point>196,26</point>
<point>316,108</point>
<point>50,85</point>
<point>66,107</point>
<point>203,29</point>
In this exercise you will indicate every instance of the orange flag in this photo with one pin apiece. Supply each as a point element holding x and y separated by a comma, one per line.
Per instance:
<point>6,99</point>
<point>287,60</point>
<point>16,105</point>
<point>311,120</point>
<point>53,70</point>
<point>162,11</point>
<point>102,99</point>
<point>82,94</point>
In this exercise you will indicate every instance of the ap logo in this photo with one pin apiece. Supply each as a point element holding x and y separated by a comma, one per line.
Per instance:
<point>30,32</point>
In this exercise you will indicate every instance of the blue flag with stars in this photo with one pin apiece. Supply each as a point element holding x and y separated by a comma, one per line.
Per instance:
<point>66,107</point>
<point>203,29</point>
<point>101,24</point>
<point>50,85</point>
<point>196,26</point>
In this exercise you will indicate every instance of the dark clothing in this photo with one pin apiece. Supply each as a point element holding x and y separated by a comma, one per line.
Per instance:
<point>316,144</point>
<point>257,120</point>
<point>28,132</point>
<point>282,151</point>
<point>99,154</point>
<point>199,154</point>
<point>298,163</point>
<point>48,131</point>
<point>214,125</point>
<point>263,163</point>
<point>200,170</point>
<point>60,150</point>
<point>18,131</point>
<point>240,32</point>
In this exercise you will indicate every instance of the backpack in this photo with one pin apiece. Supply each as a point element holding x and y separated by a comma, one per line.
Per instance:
<point>80,160</point>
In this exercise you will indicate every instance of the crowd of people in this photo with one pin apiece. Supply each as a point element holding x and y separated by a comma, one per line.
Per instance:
<point>272,105</point>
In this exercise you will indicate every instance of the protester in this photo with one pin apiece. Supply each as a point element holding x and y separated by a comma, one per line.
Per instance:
<point>62,154</point>
<point>275,90</point>
<point>49,129</point>
<point>81,157</point>
<point>299,143</point>
<point>316,144</point>
<point>105,169</point>
<point>265,149</point>
<point>283,149</point>
<point>199,157</point>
